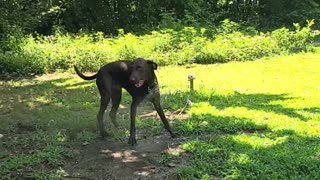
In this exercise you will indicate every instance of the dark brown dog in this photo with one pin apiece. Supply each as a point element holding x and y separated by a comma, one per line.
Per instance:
<point>139,79</point>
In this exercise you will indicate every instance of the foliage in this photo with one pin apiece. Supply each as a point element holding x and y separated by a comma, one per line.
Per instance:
<point>189,45</point>
<point>294,41</point>
<point>36,16</point>
<point>20,17</point>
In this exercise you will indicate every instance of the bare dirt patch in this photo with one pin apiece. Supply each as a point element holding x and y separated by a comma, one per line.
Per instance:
<point>117,160</point>
<point>110,159</point>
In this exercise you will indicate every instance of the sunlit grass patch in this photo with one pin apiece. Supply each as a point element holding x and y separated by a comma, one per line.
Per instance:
<point>257,155</point>
<point>266,115</point>
<point>259,142</point>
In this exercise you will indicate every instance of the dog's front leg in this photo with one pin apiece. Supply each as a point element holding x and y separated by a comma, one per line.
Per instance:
<point>157,106</point>
<point>133,112</point>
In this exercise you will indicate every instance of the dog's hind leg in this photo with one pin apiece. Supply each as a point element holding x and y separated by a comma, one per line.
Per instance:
<point>105,92</point>
<point>116,98</point>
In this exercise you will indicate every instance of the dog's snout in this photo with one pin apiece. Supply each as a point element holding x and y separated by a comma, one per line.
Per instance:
<point>136,80</point>
<point>134,76</point>
<point>133,79</point>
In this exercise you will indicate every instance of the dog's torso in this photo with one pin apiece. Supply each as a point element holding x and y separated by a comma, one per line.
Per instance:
<point>120,73</point>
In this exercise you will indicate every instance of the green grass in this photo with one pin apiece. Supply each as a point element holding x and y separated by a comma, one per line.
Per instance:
<point>249,120</point>
<point>263,118</point>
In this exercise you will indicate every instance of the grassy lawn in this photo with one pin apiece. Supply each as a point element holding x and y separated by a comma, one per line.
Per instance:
<point>248,120</point>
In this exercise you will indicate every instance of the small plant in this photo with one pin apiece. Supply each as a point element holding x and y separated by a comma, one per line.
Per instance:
<point>86,136</point>
<point>167,158</point>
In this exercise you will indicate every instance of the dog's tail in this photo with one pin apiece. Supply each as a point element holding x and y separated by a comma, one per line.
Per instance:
<point>83,76</point>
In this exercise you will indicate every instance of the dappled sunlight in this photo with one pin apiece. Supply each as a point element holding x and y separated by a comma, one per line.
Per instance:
<point>203,108</point>
<point>125,156</point>
<point>241,158</point>
<point>251,131</point>
<point>259,102</point>
<point>123,161</point>
<point>67,82</point>
<point>239,155</point>
<point>313,113</point>
<point>207,122</point>
<point>41,100</point>
<point>72,84</point>
<point>265,114</point>
<point>258,141</point>
<point>230,127</point>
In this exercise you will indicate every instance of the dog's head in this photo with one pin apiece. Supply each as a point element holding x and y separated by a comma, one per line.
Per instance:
<point>142,71</point>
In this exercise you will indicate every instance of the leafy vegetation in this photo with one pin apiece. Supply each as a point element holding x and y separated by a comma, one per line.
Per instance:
<point>229,42</point>
<point>248,120</point>
<point>29,16</point>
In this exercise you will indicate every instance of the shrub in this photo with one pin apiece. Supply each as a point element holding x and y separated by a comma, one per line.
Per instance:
<point>294,41</point>
<point>189,45</point>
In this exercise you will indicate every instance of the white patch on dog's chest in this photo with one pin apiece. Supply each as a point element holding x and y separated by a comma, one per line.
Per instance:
<point>152,91</point>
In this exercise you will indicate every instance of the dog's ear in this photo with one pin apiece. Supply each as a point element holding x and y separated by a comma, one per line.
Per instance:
<point>153,64</point>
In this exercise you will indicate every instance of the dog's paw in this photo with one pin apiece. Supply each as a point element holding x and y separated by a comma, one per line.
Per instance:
<point>132,140</point>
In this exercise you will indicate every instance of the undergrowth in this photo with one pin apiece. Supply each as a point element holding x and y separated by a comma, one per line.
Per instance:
<point>229,42</point>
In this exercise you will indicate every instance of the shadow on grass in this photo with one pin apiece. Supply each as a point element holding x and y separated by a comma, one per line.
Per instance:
<point>48,104</point>
<point>72,107</point>
<point>239,148</point>
<point>261,102</point>
<point>266,155</point>
<point>206,123</point>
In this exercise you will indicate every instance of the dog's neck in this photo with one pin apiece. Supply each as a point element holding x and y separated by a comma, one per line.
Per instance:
<point>153,85</point>
<point>153,89</point>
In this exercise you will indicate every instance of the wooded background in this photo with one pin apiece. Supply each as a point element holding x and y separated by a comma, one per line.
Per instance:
<point>43,16</point>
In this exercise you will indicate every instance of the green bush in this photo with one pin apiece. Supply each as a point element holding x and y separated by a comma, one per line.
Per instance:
<point>226,43</point>
<point>237,47</point>
<point>294,41</point>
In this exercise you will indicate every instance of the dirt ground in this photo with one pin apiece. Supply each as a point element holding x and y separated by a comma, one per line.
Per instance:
<point>116,160</point>
<point>113,160</point>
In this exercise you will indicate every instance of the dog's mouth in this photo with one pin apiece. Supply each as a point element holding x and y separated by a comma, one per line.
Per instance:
<point>138,83</point>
